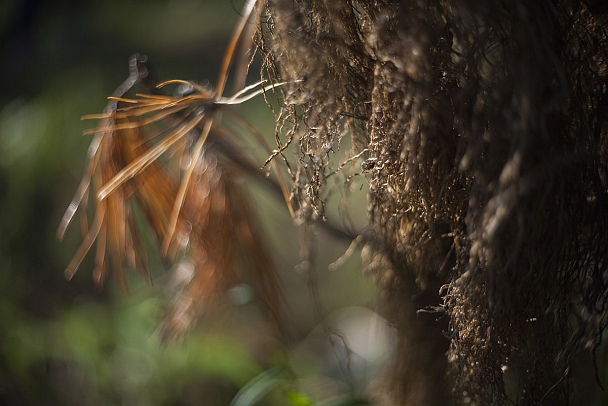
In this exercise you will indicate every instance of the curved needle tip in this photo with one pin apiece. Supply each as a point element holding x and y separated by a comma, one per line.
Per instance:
<point>69,273</point>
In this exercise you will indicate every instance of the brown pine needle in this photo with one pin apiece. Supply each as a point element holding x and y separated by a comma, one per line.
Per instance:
<point>203,92</point>
<point>83,187</point>
<point>87,243</point>
<point>136,124</point>
<point>148,158</point>
<point>150,155</point>
<point>230,50</point>
<point>179,201</point>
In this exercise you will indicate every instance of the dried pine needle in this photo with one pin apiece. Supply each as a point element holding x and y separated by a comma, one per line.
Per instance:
<point>150,154</point>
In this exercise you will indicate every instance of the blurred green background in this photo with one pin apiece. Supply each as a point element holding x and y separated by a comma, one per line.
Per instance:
<point>72,343</point>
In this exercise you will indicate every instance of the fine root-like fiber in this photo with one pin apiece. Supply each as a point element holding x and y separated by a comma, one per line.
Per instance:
<point>482,129</point>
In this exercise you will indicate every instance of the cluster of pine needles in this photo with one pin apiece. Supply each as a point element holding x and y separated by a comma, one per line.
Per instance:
<point>167,163</point>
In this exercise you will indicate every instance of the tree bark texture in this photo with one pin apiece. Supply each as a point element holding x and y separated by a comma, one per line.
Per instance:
<point>482,129</point>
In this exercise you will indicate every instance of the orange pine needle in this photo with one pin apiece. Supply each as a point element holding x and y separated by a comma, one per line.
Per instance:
<point>194,210</point>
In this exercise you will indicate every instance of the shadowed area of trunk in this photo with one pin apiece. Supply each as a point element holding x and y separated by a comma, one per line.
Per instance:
<point>481,128</point>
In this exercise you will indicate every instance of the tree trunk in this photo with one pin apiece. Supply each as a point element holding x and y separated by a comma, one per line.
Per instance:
<point>483,132</point>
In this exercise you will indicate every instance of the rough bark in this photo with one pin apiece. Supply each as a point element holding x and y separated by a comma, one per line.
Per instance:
<point>482,129</point>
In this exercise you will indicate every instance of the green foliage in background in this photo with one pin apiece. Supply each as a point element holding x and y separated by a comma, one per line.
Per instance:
<point>108,354</point>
